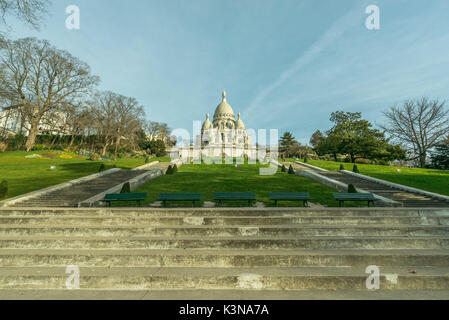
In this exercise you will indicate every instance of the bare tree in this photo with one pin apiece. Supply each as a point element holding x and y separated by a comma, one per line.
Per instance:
<point>29,11</point>
<point>419,125</point>
<point>117,118</point>
<point>41,79</point>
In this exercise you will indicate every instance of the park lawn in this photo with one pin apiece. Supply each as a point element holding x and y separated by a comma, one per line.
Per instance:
<point>426,179</point>
<point>26,175</point>
<point>207,179</point>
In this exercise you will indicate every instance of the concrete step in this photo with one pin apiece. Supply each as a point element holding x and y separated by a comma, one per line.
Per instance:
<point>224,212</point>
<point>219,243</point>
<point>220,231</point>
<point>222,221</point>
<point>189,295</point>
<point>222,258</point>
<point>266,278</point>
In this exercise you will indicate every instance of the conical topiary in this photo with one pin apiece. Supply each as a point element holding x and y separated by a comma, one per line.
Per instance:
<point>3,189</point>
<point>290,170</point>
<point>283,169</point>
<point>169,170</point>
<point>306,159</point>
<point>355,169</point>
<point>102,168</point>
<point>147,159</point>
<point>342,167</point>
<point>351,188</point>
<point>126,188</point>
<point>175,168</point>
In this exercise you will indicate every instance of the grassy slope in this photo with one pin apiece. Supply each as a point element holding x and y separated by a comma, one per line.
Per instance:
<point>426,179</point>
<point>26,175</point>
<point>207,179</point>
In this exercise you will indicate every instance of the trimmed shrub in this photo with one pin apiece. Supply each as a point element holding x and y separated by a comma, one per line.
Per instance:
<point>126,188</point>
<point>102,168</point>
<point>169,170</point>
<point>283,169</point>
<point>306,159</point>
<point>3,189</point>
<point>94,157</point>
<point>175,168</point>
<point>355,169</point>
<point>351,188</point>
<point>342,167</point>
<point>147,159</point>
<point>290,170</point>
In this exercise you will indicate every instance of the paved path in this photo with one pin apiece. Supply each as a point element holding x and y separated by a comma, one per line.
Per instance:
<point>408,199</point>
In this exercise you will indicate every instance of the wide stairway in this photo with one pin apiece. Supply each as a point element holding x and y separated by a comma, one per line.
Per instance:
<point>408,199</point>
<point>230,253</point>
<point>71,196</point>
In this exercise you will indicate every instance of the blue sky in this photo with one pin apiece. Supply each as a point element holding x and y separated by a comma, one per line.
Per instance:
<point>284,64</point>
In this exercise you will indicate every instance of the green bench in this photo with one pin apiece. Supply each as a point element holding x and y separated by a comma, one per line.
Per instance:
<point>138,197</point>
<point>300,196</point>
<point>342,197</point>
<point>164,197</point>
<point>235,196</point>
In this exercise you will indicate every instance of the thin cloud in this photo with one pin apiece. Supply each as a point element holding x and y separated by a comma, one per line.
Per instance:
<point>332,34</point>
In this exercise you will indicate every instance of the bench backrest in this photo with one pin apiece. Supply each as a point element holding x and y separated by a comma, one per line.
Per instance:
<point>125,196</point>
<point>235,195</point>
<point>286,196</point>
<point>354,196</point>
<point>179,196</point>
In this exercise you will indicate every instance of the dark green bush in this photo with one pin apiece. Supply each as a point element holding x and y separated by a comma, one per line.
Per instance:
<point>283,169</point>
<point>147,159</point>
<point>290,170</point>
<point>102,168</point>
<point>169,170</point>
<point>351,188</point>
<point>306,158</point>
<point>342,167</point>
<point>126,188</point>
<point>3,189</point>
<point>175,168</point>
<point>355,169</point>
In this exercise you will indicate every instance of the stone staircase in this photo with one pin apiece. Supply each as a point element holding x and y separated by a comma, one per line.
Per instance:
<point>285,253</point>
<point>408,199</point>
<point>71,196</point>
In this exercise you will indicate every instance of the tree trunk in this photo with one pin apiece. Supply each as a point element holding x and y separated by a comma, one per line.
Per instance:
<point>117,142</point>
<point>72,140</point>
<point>32,133</point>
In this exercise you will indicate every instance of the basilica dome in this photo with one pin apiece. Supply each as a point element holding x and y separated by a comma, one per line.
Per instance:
<point>224,111</point>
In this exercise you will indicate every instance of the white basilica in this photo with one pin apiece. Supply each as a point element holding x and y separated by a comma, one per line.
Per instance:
<point>224,130</point>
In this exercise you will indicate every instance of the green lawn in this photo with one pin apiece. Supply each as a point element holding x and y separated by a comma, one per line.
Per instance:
<point>207,179</point>
<point>26,175</point>
<point>427,179</point>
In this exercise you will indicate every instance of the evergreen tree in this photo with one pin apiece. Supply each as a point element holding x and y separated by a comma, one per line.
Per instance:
<point>283,169</point>
<point>102,168</point>
<point>169,170</point>
<point>351,188</point>
<point>3,189</point>
<point>126,188</point>
<point>290,170</point>
<point>440,157</point>
<point>287,140</point>
<point>355,169</point>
